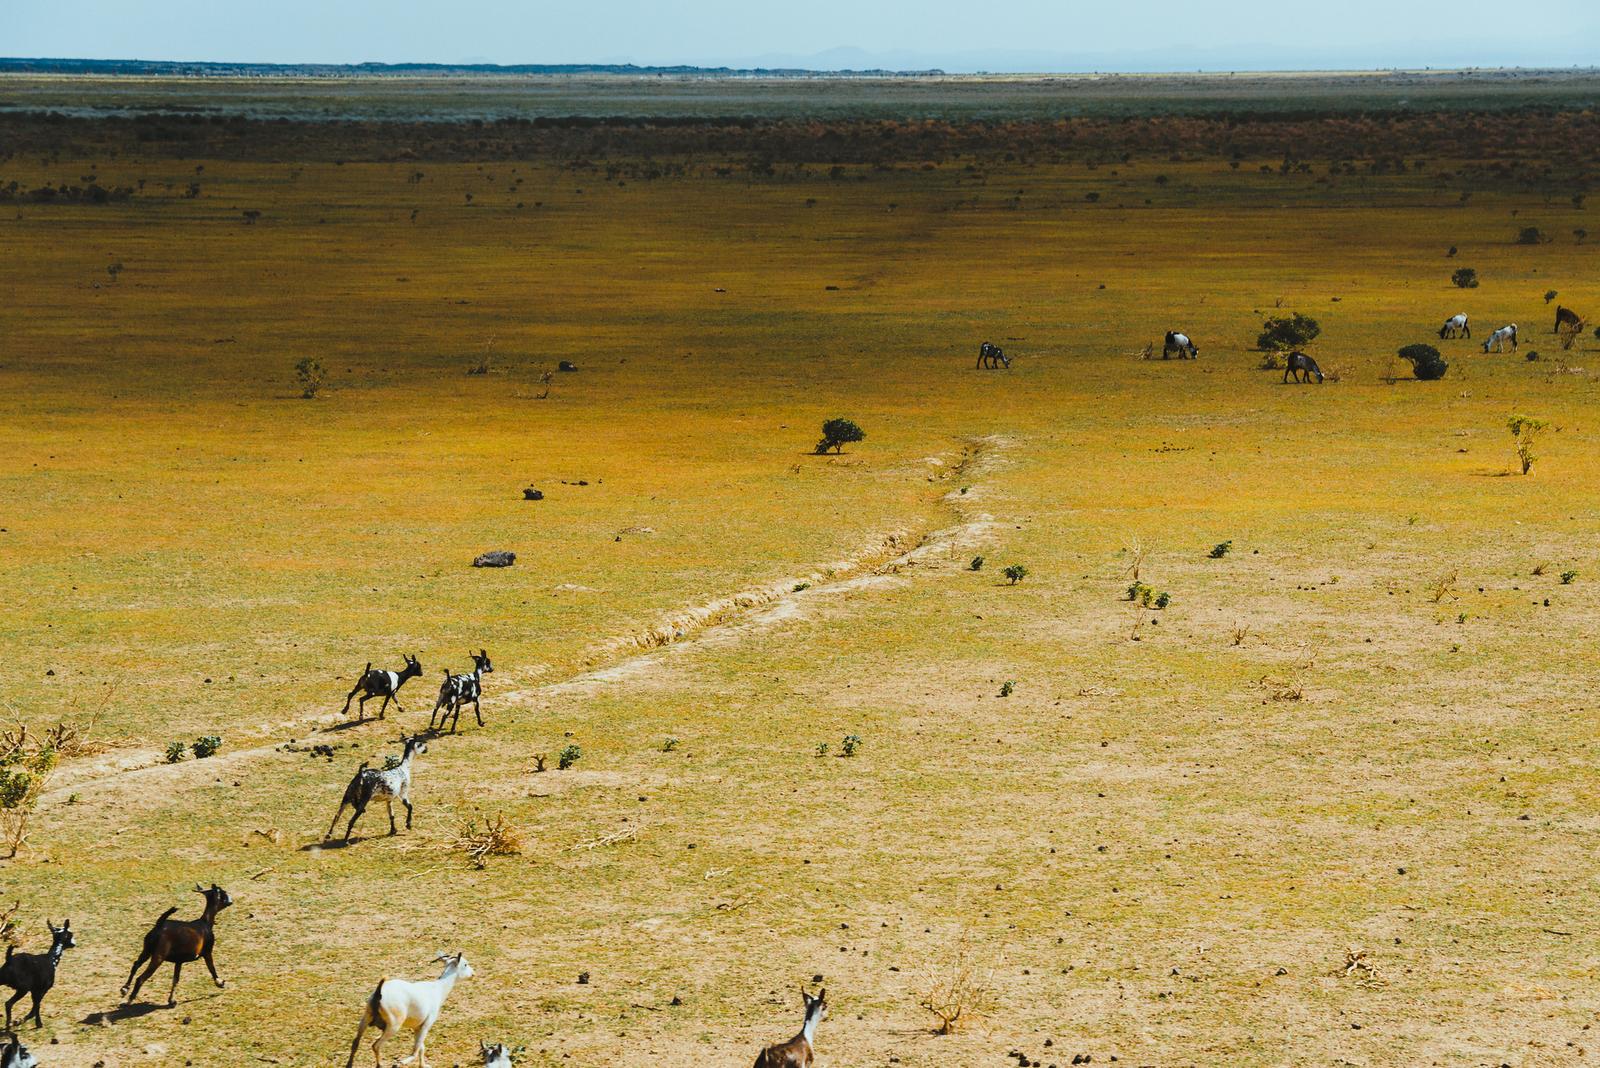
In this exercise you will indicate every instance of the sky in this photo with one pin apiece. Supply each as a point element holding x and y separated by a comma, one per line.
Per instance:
<point>954,35</point>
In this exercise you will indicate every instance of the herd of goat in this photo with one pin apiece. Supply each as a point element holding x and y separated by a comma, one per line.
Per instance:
<point>1300,367</point>
<point>394,1004</point>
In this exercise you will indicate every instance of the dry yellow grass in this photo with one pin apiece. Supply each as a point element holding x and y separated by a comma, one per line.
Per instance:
<point>1155,859</point>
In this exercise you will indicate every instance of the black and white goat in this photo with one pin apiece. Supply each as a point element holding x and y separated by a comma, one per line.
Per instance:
<point>1180,344</point>
<point>495,1056</point>
<point>1300,367</point>
<point>380,784</point>
<point>1455,326</point>
<point>797,1052</point>
<point>35,973</point>
<point>13,1054</point>
<point>992,356</point>
<point>397,1003</point>
<point>457,690</point>
<point>384,684</point>
<point>1497,340</point>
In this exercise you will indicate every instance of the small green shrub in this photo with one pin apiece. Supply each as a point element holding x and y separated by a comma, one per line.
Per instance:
<point>837,433</point>
<point>1007,688</point>
<point>822,749</point>
<point>669,745</point>
<point>1550,295</point>
<point>391,761</point>
<point>1465,278</point>
<point>1140,592</point>
<point>175,751</point>
<point>1162,600</point>
<point>1567,577</point>
<point>569,755</point>
<point>308,372</point>
<point>1220,549</point>
<point>1524,430</point>
<point>1530,235</point>
<point>849,745</point>
<point>976,565</point>
<point>1015,573</point>
<point>1426,363</point>
<point>1280,333</point>
<point>206,745</point>
<point>798,586</point>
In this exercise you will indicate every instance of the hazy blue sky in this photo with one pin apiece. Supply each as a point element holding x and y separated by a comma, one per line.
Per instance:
<point>966,35</point>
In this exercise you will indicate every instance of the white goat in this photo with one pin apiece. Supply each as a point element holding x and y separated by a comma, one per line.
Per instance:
<point>398,1003</point>
<point>495,1056</point>
<point>1497,340</point>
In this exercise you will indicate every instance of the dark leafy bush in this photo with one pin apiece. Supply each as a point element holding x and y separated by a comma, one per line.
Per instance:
<point>1295,331</point>
<point>836,433</point>
<point>1530,235</point>
<point>1426,363</point>
<point>568,756</point>
<point>1465,278</point>
<point>206,745</point>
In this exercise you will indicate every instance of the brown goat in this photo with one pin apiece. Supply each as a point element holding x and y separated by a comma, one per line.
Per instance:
<point>180,941</point>
<point>796,1053</point>
<point>1566,317</point>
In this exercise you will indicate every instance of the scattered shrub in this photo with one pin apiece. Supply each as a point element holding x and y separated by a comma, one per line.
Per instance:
<point>1007,688</point>
<point>798,586</point>
<point>822,749</point>
<point>206,745</point>
<point>1530,235</point>
<point>1567,577</point>
<point>24,771</point>
<point>1162,600</point>
<point>1139,592</point>
<point>1524,430</point>
<point>961,992</point>
<point>1465,278</point>
<point>1220,549</point>
<point>1550,295</point>
<point>1280,333</point>
<point>976,565</point>
<point>849,745</point>
<point>669,745</point>
<point>496,837</point>
<point>1015,573</point>
<point>308,372</point>
<point>1426,363</point>
<point>569,755</point>
<point>175,751</point>
<point>836,433</point>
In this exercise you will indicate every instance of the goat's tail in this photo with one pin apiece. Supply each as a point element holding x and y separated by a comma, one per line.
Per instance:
<point>164,917</point>
<point>376,1000</point>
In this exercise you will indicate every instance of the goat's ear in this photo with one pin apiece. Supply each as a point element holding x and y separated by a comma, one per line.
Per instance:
<point>199,889</point>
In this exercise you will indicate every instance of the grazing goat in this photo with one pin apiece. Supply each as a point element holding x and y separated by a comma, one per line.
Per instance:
<point>1497,340</point>
<point>992,356</point>
<point>1301,367</point>
<point>397,1003</point>
<point>796,1053</point>
<point>15,1055</point>
<point>384,684</point>
<point>1568,318</point>
<point>35,973</point>
<point>388,784</point>
<point>495,1056</point>
<point>457,690</point>
<point>1455,326</point>
<point>1180,344</point>
<point>181,941</point>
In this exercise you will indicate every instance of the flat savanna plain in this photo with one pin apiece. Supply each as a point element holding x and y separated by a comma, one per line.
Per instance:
<point>1367,729</point>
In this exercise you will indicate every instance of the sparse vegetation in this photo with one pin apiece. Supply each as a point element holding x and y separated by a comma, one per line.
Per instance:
<point>309,374</point>
<point>959,993</point>
<point>1525,430</point>
<point>850,744</point>
<point>1465,278</point>
<point>837,433</point>
<point>976,565</point>
<point>1282,333</point>
<point>206,745</point>
<point>1015,573</point>
<point>481,838</point>
<point>1567,577</point>
<point>25,769</point>
<point>1220,549</point>
<point>176,751</point>
<point>569,755</point>
<point>1008,688</point>
<point>1530,235</point>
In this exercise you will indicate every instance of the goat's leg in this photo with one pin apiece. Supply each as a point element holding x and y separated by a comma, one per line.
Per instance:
<point>222,984</point>
<point>14,999</point>
<point>384,707</point>
<point>143,956</point>
<point>345,711</point>
<point>477,710</point>
<point>38,999</point>
<point>361,1030</point>
<point>156,961</point>
<point>390,802</point>
<point>335,823</point>
<point>352,824</point>
<point>418,1049</point>
<point>405,799</point>
<point>390,1029</point>
<point>177,972</point>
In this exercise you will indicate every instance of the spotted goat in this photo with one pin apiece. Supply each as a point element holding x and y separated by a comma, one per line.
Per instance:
<point>380,784</point>
<point>457,690</point>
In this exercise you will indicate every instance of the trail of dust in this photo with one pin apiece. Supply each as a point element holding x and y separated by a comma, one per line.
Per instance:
<point>726,620</point>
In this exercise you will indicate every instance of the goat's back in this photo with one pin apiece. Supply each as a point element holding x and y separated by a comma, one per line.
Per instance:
<point>795,1053</point>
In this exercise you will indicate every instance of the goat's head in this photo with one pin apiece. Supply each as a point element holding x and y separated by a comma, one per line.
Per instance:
<point>413,666</point>
<point>61,936</point>
<point>216,897</point>
<point>815,1006</point>
<point>481,658</point>
<point>495,1056</point>
<point>414,744</point>
<point>13,1054</point>
<point>456,964</point>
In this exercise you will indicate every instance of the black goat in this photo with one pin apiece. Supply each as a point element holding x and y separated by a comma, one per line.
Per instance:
<point>384,684</point>
<point>1301,367</point>
<point>35,973</point>
<point>992,356</point>
<point>181,941</point>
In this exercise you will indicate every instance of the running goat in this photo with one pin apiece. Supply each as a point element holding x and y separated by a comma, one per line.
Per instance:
<point>384,684</point>
<point>796,1053</point>
<point>35,973</point>
<point>387,784</point>
<point>397,1003</point>
<point>181,941</point>
<point>457,690</point>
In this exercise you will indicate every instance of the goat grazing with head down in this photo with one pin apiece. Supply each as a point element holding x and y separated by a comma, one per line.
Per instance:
<point>35,973</point>
<point>380,683</point>
<point>181,941</point>
<point>457,690</point>
<point>495,1056</point>
<point>13,1054</point>
<point>397,1003</point>
<point>797,1053</point>
<point>386,784</point>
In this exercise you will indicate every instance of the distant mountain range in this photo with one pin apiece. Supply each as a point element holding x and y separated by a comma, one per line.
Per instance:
<point>346,70</point>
